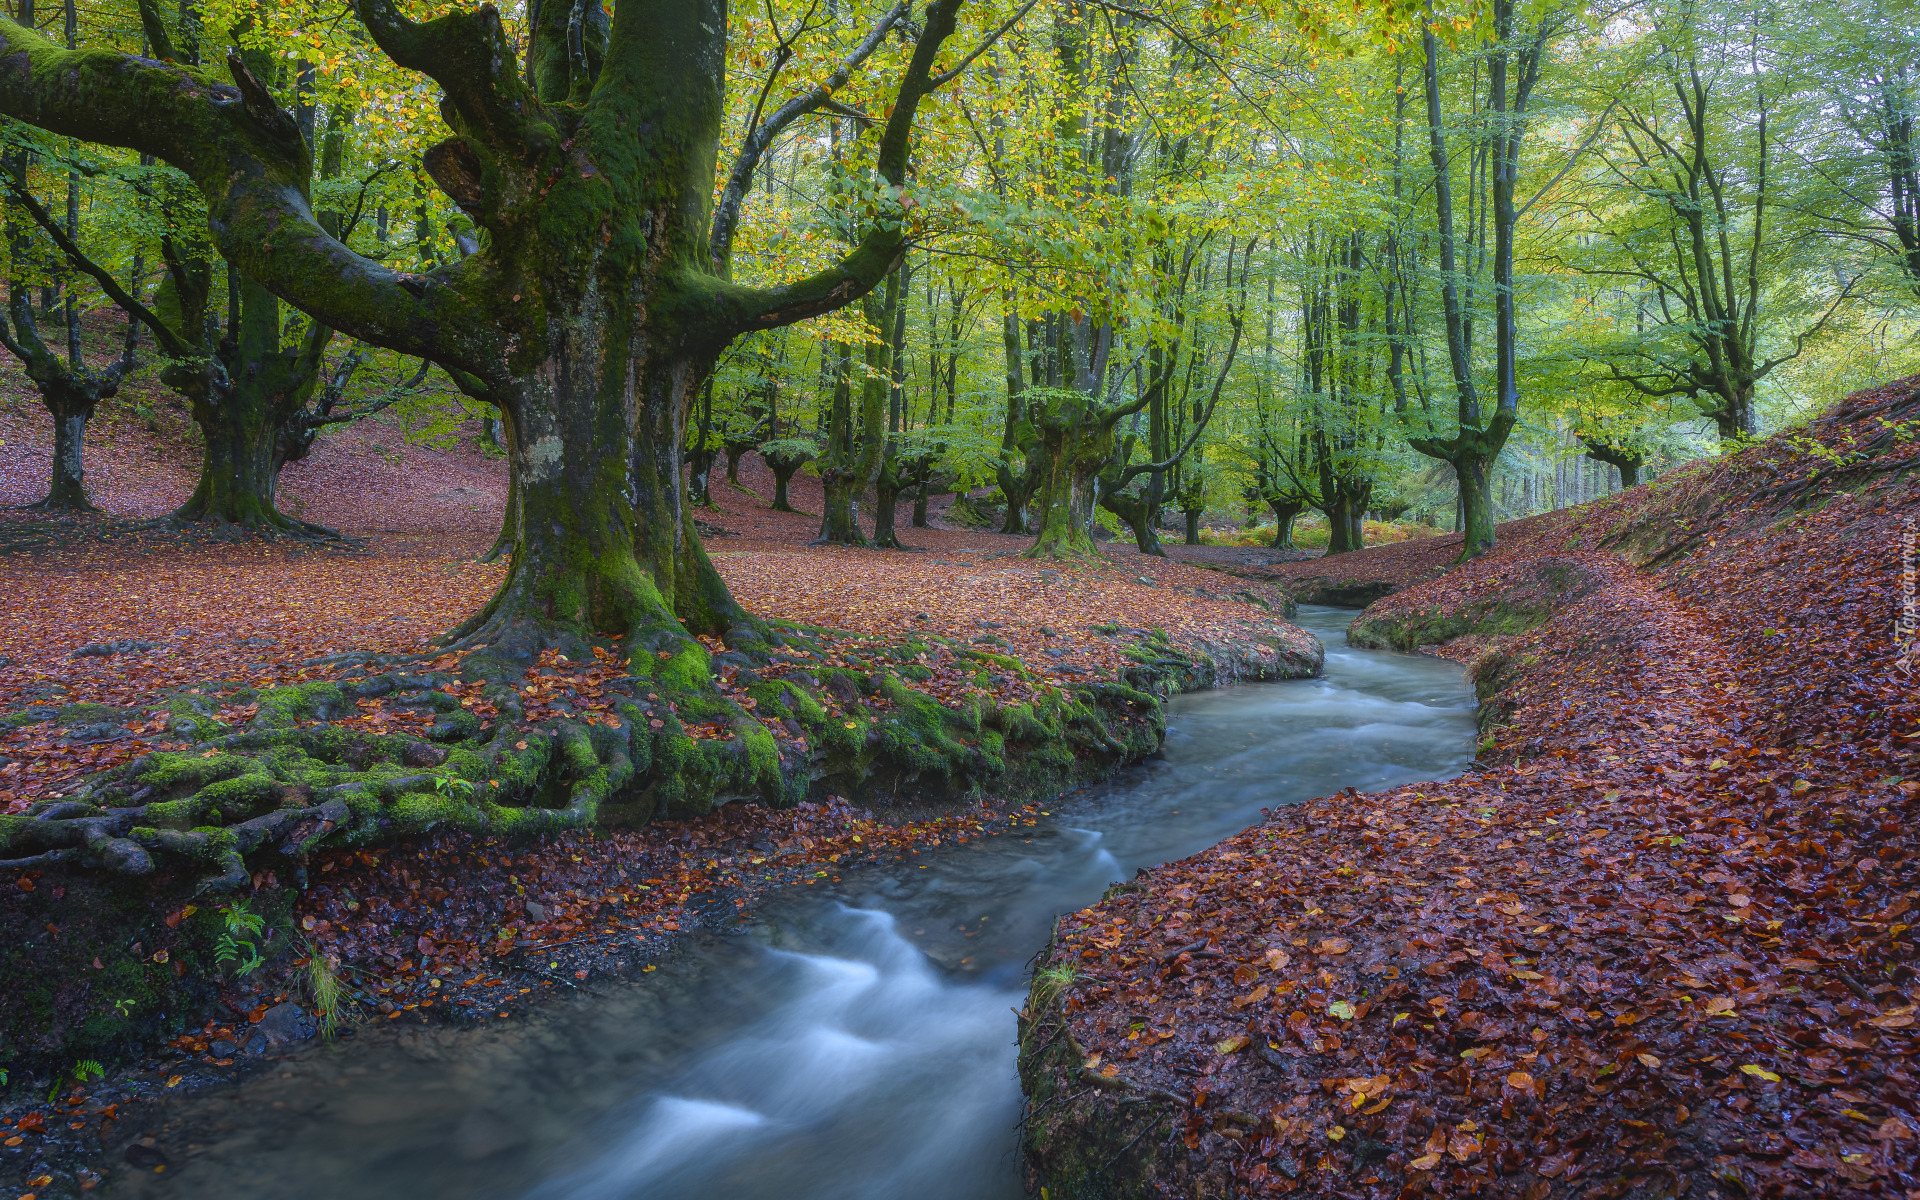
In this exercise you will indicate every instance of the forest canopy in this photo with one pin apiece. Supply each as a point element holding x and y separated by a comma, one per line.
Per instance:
<point>1259,252</point>
<point>1099,262</point>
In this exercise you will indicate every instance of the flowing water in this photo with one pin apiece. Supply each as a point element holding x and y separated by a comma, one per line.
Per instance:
<point>847,1045</point>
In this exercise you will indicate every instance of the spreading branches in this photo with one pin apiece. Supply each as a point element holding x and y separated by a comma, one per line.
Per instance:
<point>762,133</point>
<point>745,310</point>
<point>252,166</point>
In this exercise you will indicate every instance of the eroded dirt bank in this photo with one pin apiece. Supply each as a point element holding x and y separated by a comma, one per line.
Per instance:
<point>1658,945</point>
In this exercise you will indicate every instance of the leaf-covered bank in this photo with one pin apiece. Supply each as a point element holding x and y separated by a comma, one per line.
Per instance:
<point>1658,945</point>
<point>1064,671</point>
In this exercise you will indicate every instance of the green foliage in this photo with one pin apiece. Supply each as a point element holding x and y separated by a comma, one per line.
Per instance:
<point>237,948</point>
<point>323,988</point>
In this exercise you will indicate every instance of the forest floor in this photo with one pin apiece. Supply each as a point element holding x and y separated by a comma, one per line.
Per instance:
<point>1658,942</point>
<point>100,612</point>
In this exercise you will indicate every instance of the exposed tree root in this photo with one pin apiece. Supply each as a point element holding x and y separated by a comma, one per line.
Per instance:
<point>498,755</point>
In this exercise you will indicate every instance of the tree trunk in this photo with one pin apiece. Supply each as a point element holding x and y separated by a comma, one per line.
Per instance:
<point>1626,461</point>
<point>67,488</point>
<point>1476,502</point>
<point>886,491</point>
<point>780,479</point>
<point>1075,439</point>
<point>1346,529</point>
<point>783,465</point>
<point>849,467</point>
<point>735,451</point>
<point>1285,513</point>
<point>920,504</point>
<point>1139,514</point>
<point>1193,516</point>
<point>1016,486</point>
<point>701,454</point>
<point>242,405</point>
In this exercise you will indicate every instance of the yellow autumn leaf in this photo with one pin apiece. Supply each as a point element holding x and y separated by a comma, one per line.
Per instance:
<point>1759,1072</point>
<point>1232,1045</point>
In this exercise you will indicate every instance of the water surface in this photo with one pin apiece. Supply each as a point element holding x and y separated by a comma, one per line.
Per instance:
<point>854,1044</point>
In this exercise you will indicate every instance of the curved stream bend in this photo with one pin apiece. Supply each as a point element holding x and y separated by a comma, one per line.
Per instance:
<point>851,1045</point>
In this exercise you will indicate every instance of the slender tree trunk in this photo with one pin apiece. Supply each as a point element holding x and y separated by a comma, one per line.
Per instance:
<point>1015,437</point>
<point>886,491</point>
<point>67,489</point>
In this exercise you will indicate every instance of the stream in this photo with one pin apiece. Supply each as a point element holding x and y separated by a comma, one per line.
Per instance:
<point>846,1044</point>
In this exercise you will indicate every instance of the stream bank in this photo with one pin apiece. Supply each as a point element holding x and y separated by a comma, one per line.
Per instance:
<point>854,1034</point>
<point>465,929</point>
<point>1659,945</point>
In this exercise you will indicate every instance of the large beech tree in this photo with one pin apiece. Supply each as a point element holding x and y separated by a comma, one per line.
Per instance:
<point>601,297</point>
<point>591,315</point>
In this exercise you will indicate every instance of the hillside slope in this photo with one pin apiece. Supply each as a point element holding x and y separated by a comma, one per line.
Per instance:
<point>1657,944</point>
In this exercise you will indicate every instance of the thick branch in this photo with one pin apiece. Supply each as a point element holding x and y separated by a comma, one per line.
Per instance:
<point>252,166</point>
<point>468,55</point>
<point>170,341</point>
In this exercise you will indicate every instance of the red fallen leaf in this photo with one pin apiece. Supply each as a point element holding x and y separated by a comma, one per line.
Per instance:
<point>424,944</point>
<point>1554,1166</point>
<point>33,1122</point>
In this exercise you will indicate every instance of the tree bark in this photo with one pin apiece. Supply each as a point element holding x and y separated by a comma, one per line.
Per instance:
<point>1285,513</point>
<point>242,401</point>
<point>592,311</point>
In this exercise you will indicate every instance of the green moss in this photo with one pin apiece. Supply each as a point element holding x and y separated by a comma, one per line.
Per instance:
<point>285,707</point>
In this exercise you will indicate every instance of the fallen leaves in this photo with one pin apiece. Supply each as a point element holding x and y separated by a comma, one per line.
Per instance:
<point>1677,886</point>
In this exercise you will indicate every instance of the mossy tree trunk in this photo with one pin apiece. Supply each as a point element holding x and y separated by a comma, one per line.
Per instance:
<point>857,439</point>
<point>1140,514</point>
<point>69,389</point>
<point>1074,440</point>
<point>1625,459</point>
<point>1286,510</point>
<point>592,310</point>
<point>243,402</point>
<point>1346,510</point>
<point>1013,472</point>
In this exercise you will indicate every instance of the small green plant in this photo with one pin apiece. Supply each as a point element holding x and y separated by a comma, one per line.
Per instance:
<point>324,986</point>
<point>84,1071</point>
<point>1049,982</point>
<point>237,947</point>
<point>123,1007</point>
<point>447,785</point>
